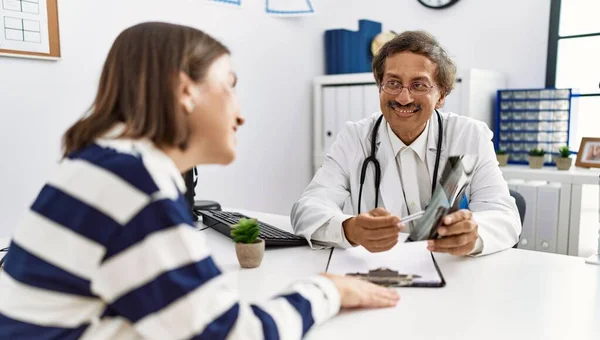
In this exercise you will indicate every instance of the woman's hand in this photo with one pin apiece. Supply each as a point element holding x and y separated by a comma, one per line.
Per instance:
<point>356,293</point>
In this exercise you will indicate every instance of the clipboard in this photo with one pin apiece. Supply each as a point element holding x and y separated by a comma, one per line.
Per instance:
<point>391,278</point>
<point>405,265</point>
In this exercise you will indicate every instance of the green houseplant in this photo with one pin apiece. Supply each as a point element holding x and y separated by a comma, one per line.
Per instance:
<point>248,247</point>
<point>502,157</point>
<point>564,160</point>
<point>536,158</point>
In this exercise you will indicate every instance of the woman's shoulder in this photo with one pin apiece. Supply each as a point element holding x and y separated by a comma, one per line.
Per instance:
<point>111,167</point>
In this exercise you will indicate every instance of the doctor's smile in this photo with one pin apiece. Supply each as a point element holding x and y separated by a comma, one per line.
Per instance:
<point>403,110</point>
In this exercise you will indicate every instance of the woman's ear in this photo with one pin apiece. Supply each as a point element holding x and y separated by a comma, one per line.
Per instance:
<point>185,93</point>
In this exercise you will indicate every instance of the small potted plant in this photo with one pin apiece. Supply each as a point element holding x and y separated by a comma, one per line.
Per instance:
<point>564,160</point>
<point>502,157</point>
<point>536,158</point>
<point>248,247</point>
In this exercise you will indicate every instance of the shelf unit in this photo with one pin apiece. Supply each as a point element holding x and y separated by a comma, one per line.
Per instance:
<point>532,118</point>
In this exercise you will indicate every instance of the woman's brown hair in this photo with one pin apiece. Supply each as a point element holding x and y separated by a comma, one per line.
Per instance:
<point>423,43</point>
<point>139,81</point>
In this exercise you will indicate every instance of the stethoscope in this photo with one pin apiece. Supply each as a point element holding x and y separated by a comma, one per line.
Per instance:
<point>373,159</point>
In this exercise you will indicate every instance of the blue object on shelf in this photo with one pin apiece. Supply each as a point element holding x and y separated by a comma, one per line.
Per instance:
<point>349,51</point>
<point>533,118</point>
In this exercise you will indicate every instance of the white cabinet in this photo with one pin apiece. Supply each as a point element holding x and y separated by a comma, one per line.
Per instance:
<point>474,94</point>
<point>351,97</point>
<point>562,198</point>
<point>338,99</point>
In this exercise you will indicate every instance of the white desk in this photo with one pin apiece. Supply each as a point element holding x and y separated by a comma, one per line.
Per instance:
<point>280,266</point>
<point>570,201</point>
<point>515,294</point>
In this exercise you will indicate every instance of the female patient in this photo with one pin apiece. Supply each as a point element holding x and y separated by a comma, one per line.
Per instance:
<point>108,249</point>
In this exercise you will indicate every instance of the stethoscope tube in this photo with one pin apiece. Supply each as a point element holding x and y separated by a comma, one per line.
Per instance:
<point>373,159</point>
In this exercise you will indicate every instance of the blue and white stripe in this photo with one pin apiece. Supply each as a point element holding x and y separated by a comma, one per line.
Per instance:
<point>108,250</point>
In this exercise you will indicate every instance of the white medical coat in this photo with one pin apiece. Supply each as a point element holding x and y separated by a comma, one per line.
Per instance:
<point>318,213</point>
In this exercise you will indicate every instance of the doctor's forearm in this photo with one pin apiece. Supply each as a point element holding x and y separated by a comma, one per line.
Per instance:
<point>333,232</point>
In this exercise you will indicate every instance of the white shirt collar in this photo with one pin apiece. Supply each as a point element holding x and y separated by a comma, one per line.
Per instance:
<point>419,145</point>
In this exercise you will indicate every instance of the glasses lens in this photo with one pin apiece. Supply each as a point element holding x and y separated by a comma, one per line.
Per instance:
<point>392,87</point>
<point>419,88</point>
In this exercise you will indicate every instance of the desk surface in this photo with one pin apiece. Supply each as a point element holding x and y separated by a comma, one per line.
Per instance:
<point>515,294</point>
<point>279,268</point>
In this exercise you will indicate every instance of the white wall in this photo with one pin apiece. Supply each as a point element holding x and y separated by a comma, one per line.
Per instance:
<point>276,60</point>
<point>509,36</point>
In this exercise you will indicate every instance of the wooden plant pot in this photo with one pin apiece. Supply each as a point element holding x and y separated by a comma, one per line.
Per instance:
<point>250,255</point>
<point>563,163</point>
<point>536,162</point>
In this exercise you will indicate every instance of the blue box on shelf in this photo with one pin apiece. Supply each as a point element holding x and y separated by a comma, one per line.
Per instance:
<point>349,51</point>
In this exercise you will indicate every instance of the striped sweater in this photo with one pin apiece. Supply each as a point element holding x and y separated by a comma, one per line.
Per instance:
<point>108,251</point>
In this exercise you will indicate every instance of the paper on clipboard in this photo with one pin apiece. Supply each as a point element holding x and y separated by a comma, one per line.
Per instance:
<point>405,258</point>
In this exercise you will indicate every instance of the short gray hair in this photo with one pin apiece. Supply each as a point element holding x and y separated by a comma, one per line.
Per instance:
<point>423,43</point>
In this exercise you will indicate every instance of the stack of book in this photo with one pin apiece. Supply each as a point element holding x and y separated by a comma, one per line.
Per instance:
<point>349,51</point>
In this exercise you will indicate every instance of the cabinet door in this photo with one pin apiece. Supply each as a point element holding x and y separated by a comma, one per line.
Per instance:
<point>529,191</point>
<point>548,206</point>
<point>453,100</point>
<point>371,100</point>
<point>342,107</point>
<point>329,117</point>
<point>356,103</point>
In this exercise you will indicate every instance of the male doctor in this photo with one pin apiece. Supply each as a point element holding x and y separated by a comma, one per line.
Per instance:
<point>414,75</point>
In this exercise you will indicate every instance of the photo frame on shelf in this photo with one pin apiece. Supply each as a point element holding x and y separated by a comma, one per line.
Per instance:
<point>589,153</point>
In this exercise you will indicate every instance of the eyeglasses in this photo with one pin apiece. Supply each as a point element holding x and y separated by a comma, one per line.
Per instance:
<point>394,87</point>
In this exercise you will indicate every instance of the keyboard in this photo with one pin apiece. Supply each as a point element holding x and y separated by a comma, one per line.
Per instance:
<point>222,221</point>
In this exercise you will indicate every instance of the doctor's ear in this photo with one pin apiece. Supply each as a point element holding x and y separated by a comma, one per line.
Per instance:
<point>440,103</point>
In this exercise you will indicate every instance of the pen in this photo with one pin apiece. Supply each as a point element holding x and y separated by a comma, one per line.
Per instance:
<point>412,217</point>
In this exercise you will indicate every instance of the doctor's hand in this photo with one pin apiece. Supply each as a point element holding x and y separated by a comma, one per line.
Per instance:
<point>375,230</point>
<point>356,293</point>
<point>458,234</point>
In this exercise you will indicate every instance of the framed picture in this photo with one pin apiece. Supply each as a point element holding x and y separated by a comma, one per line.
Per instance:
<point>589,153</point>
<point>29,29</point>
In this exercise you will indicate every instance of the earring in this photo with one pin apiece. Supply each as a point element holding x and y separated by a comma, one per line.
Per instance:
<point>190,106</point>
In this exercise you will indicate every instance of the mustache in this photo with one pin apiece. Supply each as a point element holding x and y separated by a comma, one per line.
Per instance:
<point>410,107</point>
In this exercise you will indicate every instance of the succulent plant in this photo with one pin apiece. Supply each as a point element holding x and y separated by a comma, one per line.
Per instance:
<point>564,152</point>
<point>246,231</point>
<point>537,152</point>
